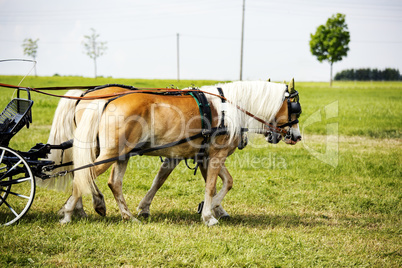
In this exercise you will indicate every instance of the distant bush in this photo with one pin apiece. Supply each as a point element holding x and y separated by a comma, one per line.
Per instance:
<point>367,74</point>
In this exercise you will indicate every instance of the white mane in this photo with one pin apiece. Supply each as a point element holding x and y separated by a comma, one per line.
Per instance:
<point>263,99</point>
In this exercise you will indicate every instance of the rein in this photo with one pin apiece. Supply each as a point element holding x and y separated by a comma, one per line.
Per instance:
<point>266,124</point>
<point>139,150</point>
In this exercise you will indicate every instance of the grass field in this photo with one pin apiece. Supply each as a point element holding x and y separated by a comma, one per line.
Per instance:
<point>332,200</point>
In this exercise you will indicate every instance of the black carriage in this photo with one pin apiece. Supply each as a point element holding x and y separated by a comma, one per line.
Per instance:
<point>18,170</point>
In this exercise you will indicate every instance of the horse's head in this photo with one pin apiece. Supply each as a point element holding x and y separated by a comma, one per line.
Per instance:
<point>286,120</point>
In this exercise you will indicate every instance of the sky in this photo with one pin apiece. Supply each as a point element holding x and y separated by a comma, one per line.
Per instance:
<point>142,38</point>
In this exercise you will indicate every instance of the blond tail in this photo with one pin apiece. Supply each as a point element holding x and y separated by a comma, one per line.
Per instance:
<point>85,146</point>
<point>62,130</point>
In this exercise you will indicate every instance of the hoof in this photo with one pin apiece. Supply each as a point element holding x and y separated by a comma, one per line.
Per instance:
<point>225,218</point>
<point>65,221</point>
<point>211,222</point>
<point>80,213</point>
<point>61,212</point>
<point>101,211</point>
<point>144,215</point>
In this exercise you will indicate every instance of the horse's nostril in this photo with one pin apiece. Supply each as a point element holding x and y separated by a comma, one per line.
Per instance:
<point>297,138</point>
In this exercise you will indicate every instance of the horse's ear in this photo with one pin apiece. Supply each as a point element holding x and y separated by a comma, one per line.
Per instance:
<point>292,86</point>
<point>269,80</point>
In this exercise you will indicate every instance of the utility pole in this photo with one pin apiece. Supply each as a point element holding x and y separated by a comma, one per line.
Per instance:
<point>178,58</point>
<point>242,39</point>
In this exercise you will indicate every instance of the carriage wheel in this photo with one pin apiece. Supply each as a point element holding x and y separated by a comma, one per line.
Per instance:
<point>17,186</point>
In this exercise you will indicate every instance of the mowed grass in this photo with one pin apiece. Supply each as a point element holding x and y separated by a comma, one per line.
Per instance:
<point>325,202</point>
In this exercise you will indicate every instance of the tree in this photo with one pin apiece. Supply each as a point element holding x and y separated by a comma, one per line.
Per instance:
<point>330,42</point>
<point>30,49</point>
<point>367,74</point>
<point>94,48</point>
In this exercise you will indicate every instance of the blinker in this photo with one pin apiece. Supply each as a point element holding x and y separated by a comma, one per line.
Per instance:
<point>295,108</point>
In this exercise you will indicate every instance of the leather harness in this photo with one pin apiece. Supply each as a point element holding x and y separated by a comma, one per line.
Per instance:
<point>206,120</point>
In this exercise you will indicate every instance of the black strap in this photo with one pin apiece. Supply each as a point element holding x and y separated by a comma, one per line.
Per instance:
<point>204,107</point>
<point>222,124</point>
<point>288,124</point>
<point>206,122</point>
<point>294,94</point>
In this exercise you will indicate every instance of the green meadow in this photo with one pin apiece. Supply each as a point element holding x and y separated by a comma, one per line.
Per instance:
<point>332,200</point>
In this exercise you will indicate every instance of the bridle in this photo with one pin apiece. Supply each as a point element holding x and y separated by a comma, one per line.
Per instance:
<point>294,108</point>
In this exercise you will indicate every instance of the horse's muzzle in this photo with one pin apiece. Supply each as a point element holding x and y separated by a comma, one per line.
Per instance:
<point>293,137</point>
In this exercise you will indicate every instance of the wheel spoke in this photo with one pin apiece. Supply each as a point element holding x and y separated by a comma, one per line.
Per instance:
<point>20,195</point>
<point>12,168</point>
<point>8,183</point>
<point>12,210</point>
<point>19,162</point>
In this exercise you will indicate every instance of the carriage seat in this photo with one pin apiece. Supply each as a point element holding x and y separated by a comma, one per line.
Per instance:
<point>15,116</point>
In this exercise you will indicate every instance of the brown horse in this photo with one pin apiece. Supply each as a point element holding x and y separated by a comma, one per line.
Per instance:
<point>149,120</point>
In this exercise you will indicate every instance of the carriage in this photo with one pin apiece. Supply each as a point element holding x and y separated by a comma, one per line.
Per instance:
<point>19,170</point>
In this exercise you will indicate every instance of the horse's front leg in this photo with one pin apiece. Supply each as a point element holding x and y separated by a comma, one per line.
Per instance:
<point>219,212</point>
<point>227,181</point>
<point>215,165</point>
<point>115,184</point>
<point>167,167</point>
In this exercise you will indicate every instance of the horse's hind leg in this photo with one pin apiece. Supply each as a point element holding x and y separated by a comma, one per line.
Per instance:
<point>115,184</point>
<point>79,209</point>
<point>167,167</point>
<point>98,201</point>
<point>76,201</point>
<point>69,206</point>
